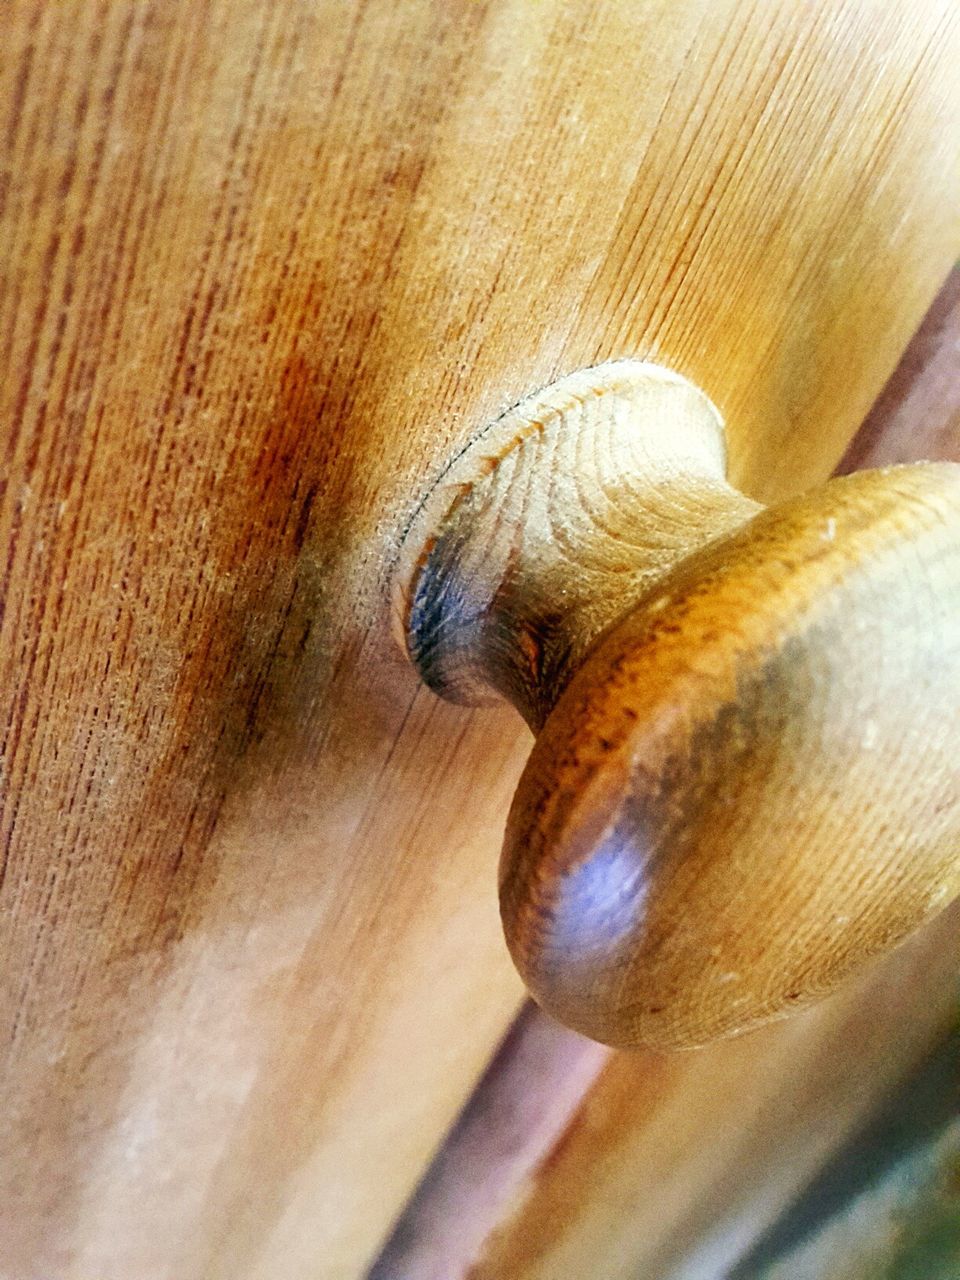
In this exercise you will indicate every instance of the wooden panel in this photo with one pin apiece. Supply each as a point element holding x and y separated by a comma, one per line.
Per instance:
<point>263,267</point>
<point>676,1164</point>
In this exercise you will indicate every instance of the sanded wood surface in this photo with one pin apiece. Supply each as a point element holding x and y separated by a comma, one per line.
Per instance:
<point>264,266</point>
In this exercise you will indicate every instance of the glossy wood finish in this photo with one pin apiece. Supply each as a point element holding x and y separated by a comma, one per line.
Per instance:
<point>749,789</point>
<point>263,267</point>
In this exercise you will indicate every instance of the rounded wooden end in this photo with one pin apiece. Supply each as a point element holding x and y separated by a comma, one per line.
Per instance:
<point>752,783</point>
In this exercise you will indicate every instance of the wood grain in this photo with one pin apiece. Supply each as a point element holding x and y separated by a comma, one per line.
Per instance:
<point>263,266</point>
<point>749,788</point>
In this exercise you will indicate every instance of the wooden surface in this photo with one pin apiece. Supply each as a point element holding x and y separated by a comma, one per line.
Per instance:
<point>676,1164</point>
<point>557,517</point>
<point>887,1202</point>
<point>263,268</point>
<point>532,1088</point>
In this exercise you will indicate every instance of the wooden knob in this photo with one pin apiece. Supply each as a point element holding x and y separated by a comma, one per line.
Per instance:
<point>746,776</point>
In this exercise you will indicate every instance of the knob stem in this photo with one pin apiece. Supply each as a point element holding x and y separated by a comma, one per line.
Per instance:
<point>557,519</point>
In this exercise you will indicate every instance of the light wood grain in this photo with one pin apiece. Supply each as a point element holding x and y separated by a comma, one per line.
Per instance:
<point>263,266</point>
<point>555,521</point>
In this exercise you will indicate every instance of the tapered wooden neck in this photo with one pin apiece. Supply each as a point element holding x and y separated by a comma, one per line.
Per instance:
<point>553,523</point>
